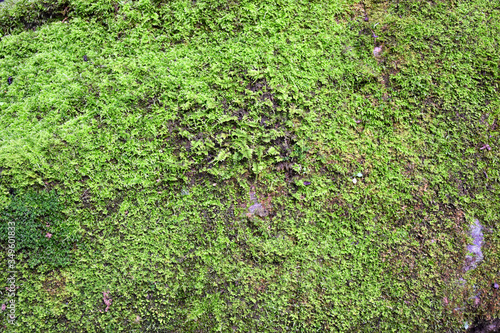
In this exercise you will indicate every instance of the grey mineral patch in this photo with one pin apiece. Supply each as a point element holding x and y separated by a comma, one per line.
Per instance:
<point>257,208</point>
<point>377,51</point>
<point>475,254</point>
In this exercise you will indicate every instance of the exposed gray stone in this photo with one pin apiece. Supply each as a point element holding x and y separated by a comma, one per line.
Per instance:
<point>475,254</point>
<point>257,208</point>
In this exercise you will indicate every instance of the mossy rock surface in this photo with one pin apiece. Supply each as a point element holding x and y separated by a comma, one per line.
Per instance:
<point>204,152</point>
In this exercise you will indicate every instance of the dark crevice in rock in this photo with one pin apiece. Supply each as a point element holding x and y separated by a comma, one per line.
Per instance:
<point>485,326</point>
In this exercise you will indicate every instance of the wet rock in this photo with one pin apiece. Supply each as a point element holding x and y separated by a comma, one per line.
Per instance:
<point>377,51</point>
<point>258,209</point>
<point>491,326</point>
<point>473,258</point>
<point>475,254</point>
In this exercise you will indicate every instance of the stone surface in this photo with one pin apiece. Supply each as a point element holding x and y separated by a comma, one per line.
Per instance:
<point>491,326</point>
<point>257,208</point>
<point>476,255</point>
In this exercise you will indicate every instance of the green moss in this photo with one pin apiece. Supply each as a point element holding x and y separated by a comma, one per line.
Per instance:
<point>35,224</point>
<point>184,109</point>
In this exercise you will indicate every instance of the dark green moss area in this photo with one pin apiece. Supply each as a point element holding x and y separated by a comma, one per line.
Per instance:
<point>36,224</point>
<point>365,148</point>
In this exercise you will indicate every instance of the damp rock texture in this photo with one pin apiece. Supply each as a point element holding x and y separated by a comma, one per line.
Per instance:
<point>257,208</point>
<point>487,327</point>
<point>377,51</point>
<point>475,254</point>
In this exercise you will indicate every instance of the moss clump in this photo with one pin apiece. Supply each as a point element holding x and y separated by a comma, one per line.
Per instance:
<point>34,223</point>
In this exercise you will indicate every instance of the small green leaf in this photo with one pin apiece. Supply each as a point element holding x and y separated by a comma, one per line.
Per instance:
<point>272,151</point>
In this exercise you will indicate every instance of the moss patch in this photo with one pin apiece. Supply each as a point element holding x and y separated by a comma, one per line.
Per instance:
<point>161,124</point>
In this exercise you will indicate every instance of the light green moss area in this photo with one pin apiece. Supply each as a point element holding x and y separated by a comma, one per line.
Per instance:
<point>185,108</point>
